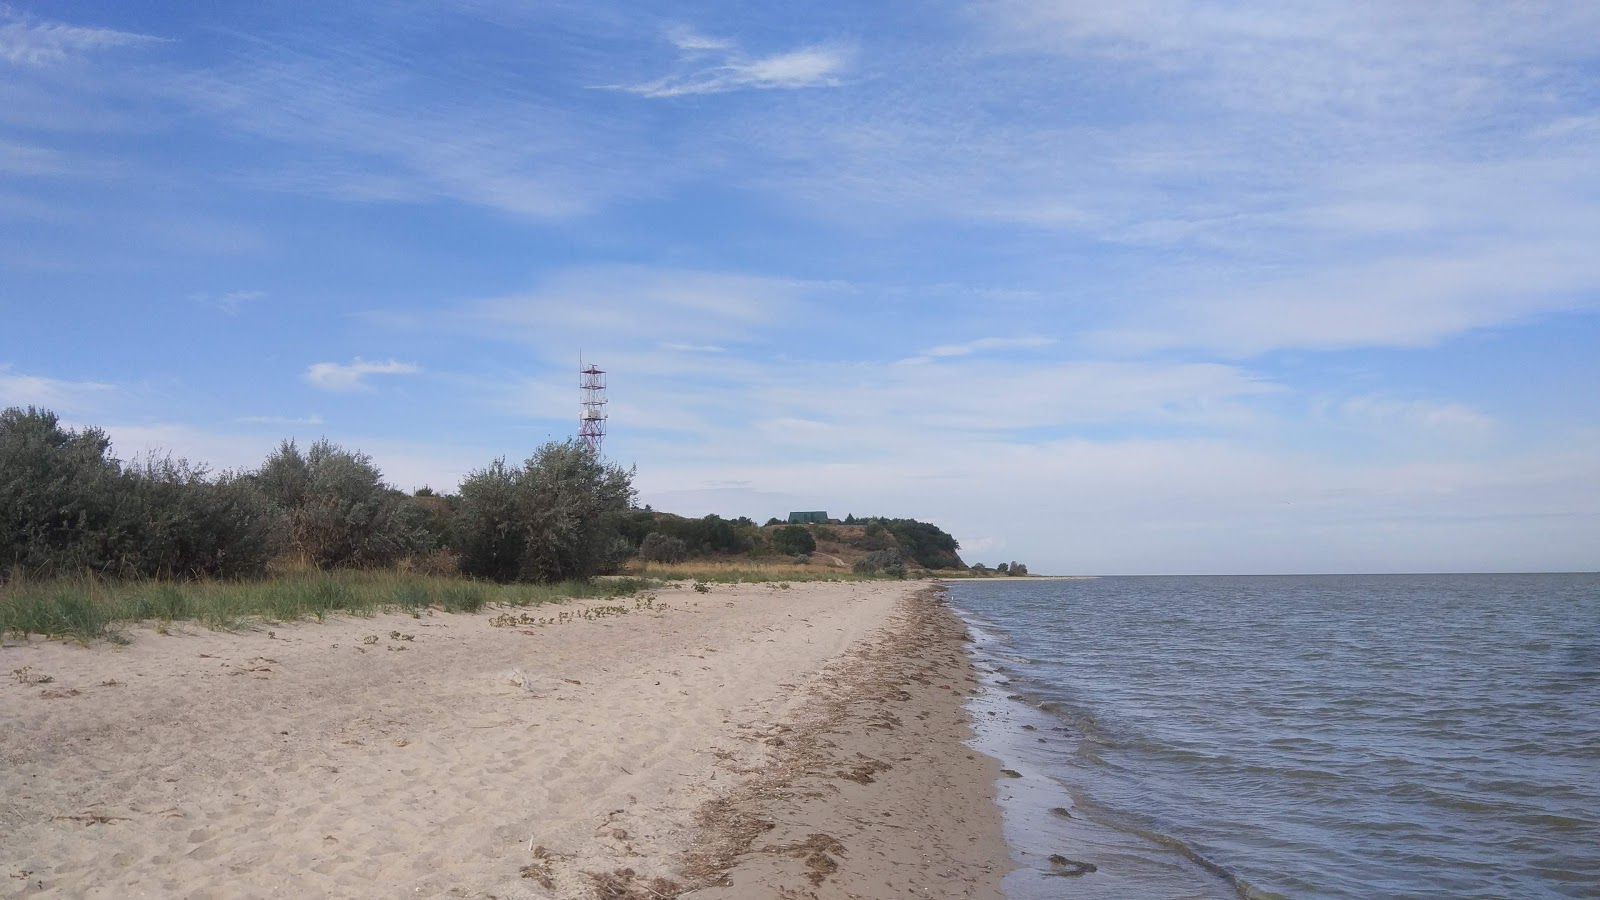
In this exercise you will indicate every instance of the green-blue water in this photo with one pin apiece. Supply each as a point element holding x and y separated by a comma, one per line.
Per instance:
<point>1327,736</point>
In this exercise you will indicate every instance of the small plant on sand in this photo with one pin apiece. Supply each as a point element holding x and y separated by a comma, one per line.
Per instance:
<point>700,587</point>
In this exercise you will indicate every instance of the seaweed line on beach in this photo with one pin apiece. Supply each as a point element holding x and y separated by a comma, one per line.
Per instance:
<point>853,698</point>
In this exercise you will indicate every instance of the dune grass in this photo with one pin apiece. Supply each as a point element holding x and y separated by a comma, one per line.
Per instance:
<point>90,608</point>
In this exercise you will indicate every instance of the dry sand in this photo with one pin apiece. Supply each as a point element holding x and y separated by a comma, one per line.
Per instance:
<point>751,742</point>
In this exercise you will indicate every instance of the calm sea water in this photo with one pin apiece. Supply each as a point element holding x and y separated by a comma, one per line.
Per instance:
<point>1327,736</point>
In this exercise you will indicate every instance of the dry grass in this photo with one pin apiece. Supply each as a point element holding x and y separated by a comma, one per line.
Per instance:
<point>744,570</point>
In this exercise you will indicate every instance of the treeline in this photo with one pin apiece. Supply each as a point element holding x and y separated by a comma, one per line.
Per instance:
<point>67,506</point>
<point>925,544</point>
<point>1011,568</point>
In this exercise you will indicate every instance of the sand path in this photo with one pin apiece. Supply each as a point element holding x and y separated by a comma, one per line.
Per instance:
<point>397,756</point>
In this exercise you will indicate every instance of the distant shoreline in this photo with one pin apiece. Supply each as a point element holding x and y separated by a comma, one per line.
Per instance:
<point>1015,577</point>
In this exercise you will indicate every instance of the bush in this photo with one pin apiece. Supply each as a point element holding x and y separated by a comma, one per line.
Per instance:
<point>341,513</point>
<point>557,517</point>
<point>886,562</point>
<point>68,506</point>
<point>59,494</point>
<point>713,534</point>
<point>178,522</point>
<point>793,539</point>
<point>660,548</point>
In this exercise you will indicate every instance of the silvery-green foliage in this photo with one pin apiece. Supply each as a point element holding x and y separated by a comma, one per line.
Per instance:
<point>556,517</point>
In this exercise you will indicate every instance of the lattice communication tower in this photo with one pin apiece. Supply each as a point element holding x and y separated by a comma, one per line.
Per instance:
<point>592,420</point>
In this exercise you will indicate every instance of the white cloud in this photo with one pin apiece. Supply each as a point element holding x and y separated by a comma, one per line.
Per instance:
<point>694,348</point>
<point>280,420</point>
<point>604,308</point>
<point>352,376</point>
<point>54,394</point>
<point>232,301</point>
<point>946,351</point>
<point>1388,412</point>
<point>36,43</point>
<point>714,66</point>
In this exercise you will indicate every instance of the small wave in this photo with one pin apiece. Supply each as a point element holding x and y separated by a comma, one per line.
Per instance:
<point>1244,889</point>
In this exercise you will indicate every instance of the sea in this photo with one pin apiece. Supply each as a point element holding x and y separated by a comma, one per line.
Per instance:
<point>1384,736</point>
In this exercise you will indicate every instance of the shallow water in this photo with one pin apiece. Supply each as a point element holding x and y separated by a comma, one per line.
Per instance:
<point>1320,736</point>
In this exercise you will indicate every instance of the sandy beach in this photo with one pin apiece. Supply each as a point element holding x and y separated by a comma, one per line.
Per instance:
<point>750,742</point>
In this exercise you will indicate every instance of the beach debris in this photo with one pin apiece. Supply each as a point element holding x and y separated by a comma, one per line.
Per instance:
<point>1070,868</point>
<point>522,680</point>
<point>25,675</point>
<point>397,636</point>
<point>1060,811</point>
<point>626,884</point>
<point>863,772</point>
<point>540,870</point>
<point>92,818</point>
<point>370,639</point>
<point>1010,773</point>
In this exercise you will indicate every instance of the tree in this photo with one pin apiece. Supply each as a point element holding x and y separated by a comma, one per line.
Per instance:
<point>1003,568</point>
<point>341,513</point>
<point>68,506</point>
<point>59,495</point>
<point>793,540</point>
<point>181,522</point>
<point>557,517</point>
<point>660,548</point>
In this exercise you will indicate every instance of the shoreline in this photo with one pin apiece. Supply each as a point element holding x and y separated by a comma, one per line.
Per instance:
<point>752,736</point>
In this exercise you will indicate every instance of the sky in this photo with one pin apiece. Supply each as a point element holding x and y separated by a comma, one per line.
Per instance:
<point>1158,286</point>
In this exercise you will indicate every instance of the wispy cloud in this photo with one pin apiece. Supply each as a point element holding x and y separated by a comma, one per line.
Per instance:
<point>708,65</point>
<point>624,306</point>
<point>1384,411</point>
<point>232,301</point>
<point>981,345</point>
<point>18,389</point>
<point>280,420</point>
<point>30,42</point>
<point>352,376</point>
<point>693,348</point>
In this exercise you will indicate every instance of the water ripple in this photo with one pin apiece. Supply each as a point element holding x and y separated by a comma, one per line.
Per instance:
<point>1322,736</point>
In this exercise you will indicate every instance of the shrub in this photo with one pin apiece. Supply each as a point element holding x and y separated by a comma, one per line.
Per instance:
<point>793,539</point>
<point>178,522</point>
<point>660,548</point>
<point>341,513</point>
<point>886,562</point>
<point>59,494</point>
<point>68,506</point>
<point>557,517</point>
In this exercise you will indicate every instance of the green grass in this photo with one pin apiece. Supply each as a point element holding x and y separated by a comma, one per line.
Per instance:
<point>89,608</point>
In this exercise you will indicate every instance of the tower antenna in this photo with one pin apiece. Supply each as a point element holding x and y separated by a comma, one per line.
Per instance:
<point>592,396</point>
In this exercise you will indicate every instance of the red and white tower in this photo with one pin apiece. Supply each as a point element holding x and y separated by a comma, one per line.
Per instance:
<point>592,420</point>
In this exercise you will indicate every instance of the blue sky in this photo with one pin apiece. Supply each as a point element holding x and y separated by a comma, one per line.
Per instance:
<point>1157,286</point>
